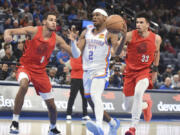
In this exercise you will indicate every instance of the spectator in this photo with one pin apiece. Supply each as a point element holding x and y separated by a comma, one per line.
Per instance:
<point>168,72</point>
<point>18,49</point>
<point>2,52</point>
<point>26,14</point>
<point>116,79</point>
<point>168,47</point>
<point>175,82</point>
<point>76,85</point>
<point>37,14</point>
<point>64,32</point>
<point>62,57</point>
<point>52,76</point>
<point>7,23</point>
<point>12,76</point>
<point>167,84</point>
<point>72,15</point>
<point>8,58</point>
<point>66,75</point>
<point>4,72</point>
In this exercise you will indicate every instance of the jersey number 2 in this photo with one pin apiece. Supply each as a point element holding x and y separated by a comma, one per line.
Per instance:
<point>145,58</point>
<point>90,55</point>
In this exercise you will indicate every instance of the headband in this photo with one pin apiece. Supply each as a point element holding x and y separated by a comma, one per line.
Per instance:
<point>101,11</point>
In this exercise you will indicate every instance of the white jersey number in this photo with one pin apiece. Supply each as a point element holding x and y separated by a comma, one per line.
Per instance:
<point>145,58</point>
<point>90,55</point>
<point>42,59</point>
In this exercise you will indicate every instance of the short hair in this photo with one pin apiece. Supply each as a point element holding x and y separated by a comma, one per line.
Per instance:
<point>6,46</point>
<point>143,15</point>
<point>47,14</point>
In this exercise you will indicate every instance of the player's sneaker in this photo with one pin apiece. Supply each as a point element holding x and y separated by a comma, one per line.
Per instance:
<point>86,117</point>
<point>68,117</point>
<point>92,127</point>
<point>131,131</point>
<point>14,128</point>
<point>54,131</point>
<point>147,112</point>
<point>113,129</point>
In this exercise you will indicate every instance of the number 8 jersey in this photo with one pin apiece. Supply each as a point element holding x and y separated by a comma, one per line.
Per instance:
<point>97,52</point>
<point>140,51</point>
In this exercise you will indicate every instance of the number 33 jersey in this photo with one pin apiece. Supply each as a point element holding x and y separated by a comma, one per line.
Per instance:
<point>97,52</point>
<point>37,51</point>
<point>140,51</point>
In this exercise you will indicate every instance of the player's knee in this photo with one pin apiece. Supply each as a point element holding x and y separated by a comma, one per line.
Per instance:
<point>96,99</point>
<point>52,108</point>
<point>51,105</point>
<point>138,94</point>
<point>24,84</point>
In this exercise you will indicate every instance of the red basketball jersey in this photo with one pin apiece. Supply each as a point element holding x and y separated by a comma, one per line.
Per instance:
<point>140,51</point>
<point>38,51</point>
<point>76,71</point>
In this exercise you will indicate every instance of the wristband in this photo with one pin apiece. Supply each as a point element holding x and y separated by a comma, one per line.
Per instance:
<point>154,68</point>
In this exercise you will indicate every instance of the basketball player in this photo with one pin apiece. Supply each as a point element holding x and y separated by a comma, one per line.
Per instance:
<point>32,68</point>
<point>143,50</point>
<point>94,44</point>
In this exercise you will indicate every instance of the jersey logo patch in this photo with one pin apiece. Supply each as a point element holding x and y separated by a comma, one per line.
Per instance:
<point>101,36</point>
<point>142,48</point>
<point>42,49</point>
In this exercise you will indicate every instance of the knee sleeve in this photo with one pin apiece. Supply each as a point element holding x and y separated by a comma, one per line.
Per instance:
<point>127,103</point>
<point>141,87</point>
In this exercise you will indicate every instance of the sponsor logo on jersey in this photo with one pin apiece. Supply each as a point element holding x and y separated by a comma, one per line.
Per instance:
<point>95,42</point>
<point>101,36</point>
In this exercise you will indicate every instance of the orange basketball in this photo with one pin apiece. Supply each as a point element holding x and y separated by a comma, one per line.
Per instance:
<point>116,24</point>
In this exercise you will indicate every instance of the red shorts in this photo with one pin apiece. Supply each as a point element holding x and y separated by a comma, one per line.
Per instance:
<point>131,79</point>
<point>40,81</point>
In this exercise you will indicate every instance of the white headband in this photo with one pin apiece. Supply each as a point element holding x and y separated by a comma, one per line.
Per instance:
<point>101,11</point>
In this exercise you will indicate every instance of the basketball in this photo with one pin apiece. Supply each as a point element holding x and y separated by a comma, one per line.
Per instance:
<point>116,24</point>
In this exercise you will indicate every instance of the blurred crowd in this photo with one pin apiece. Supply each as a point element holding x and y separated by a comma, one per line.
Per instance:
<point>21,13</point>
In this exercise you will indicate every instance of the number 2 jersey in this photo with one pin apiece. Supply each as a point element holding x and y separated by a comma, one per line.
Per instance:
<point>37,52</point>
<point>140,52</point>
<point>97,52</point>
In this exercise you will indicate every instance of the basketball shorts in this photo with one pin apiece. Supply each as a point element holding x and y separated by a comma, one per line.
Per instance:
<point>131,79</point>
<point>40,81</point>
<point>88,77</point>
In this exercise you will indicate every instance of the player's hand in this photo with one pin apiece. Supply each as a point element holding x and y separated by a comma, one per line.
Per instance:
<point>154,77</point>
<point>120,43</point>
<point>123,54</point>
<point>8,38</point>
<point>73,33</point>
<point>119,40</point>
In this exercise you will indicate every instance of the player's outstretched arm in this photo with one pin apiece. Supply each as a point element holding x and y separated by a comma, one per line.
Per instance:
<point>81,41</point>
<point>117,41</point>
<point>62,44</point>
<point>128,37</point>
<point>30,30</point>
<point>77,46</point>
<point>158,41</point>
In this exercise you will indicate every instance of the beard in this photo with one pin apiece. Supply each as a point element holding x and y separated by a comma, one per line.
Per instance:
<point>51,29</point>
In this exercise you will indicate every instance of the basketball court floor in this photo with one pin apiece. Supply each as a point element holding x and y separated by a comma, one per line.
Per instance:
<point>35,126</point>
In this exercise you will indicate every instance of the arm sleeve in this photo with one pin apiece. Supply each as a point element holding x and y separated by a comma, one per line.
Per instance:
<point>75,50</point>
